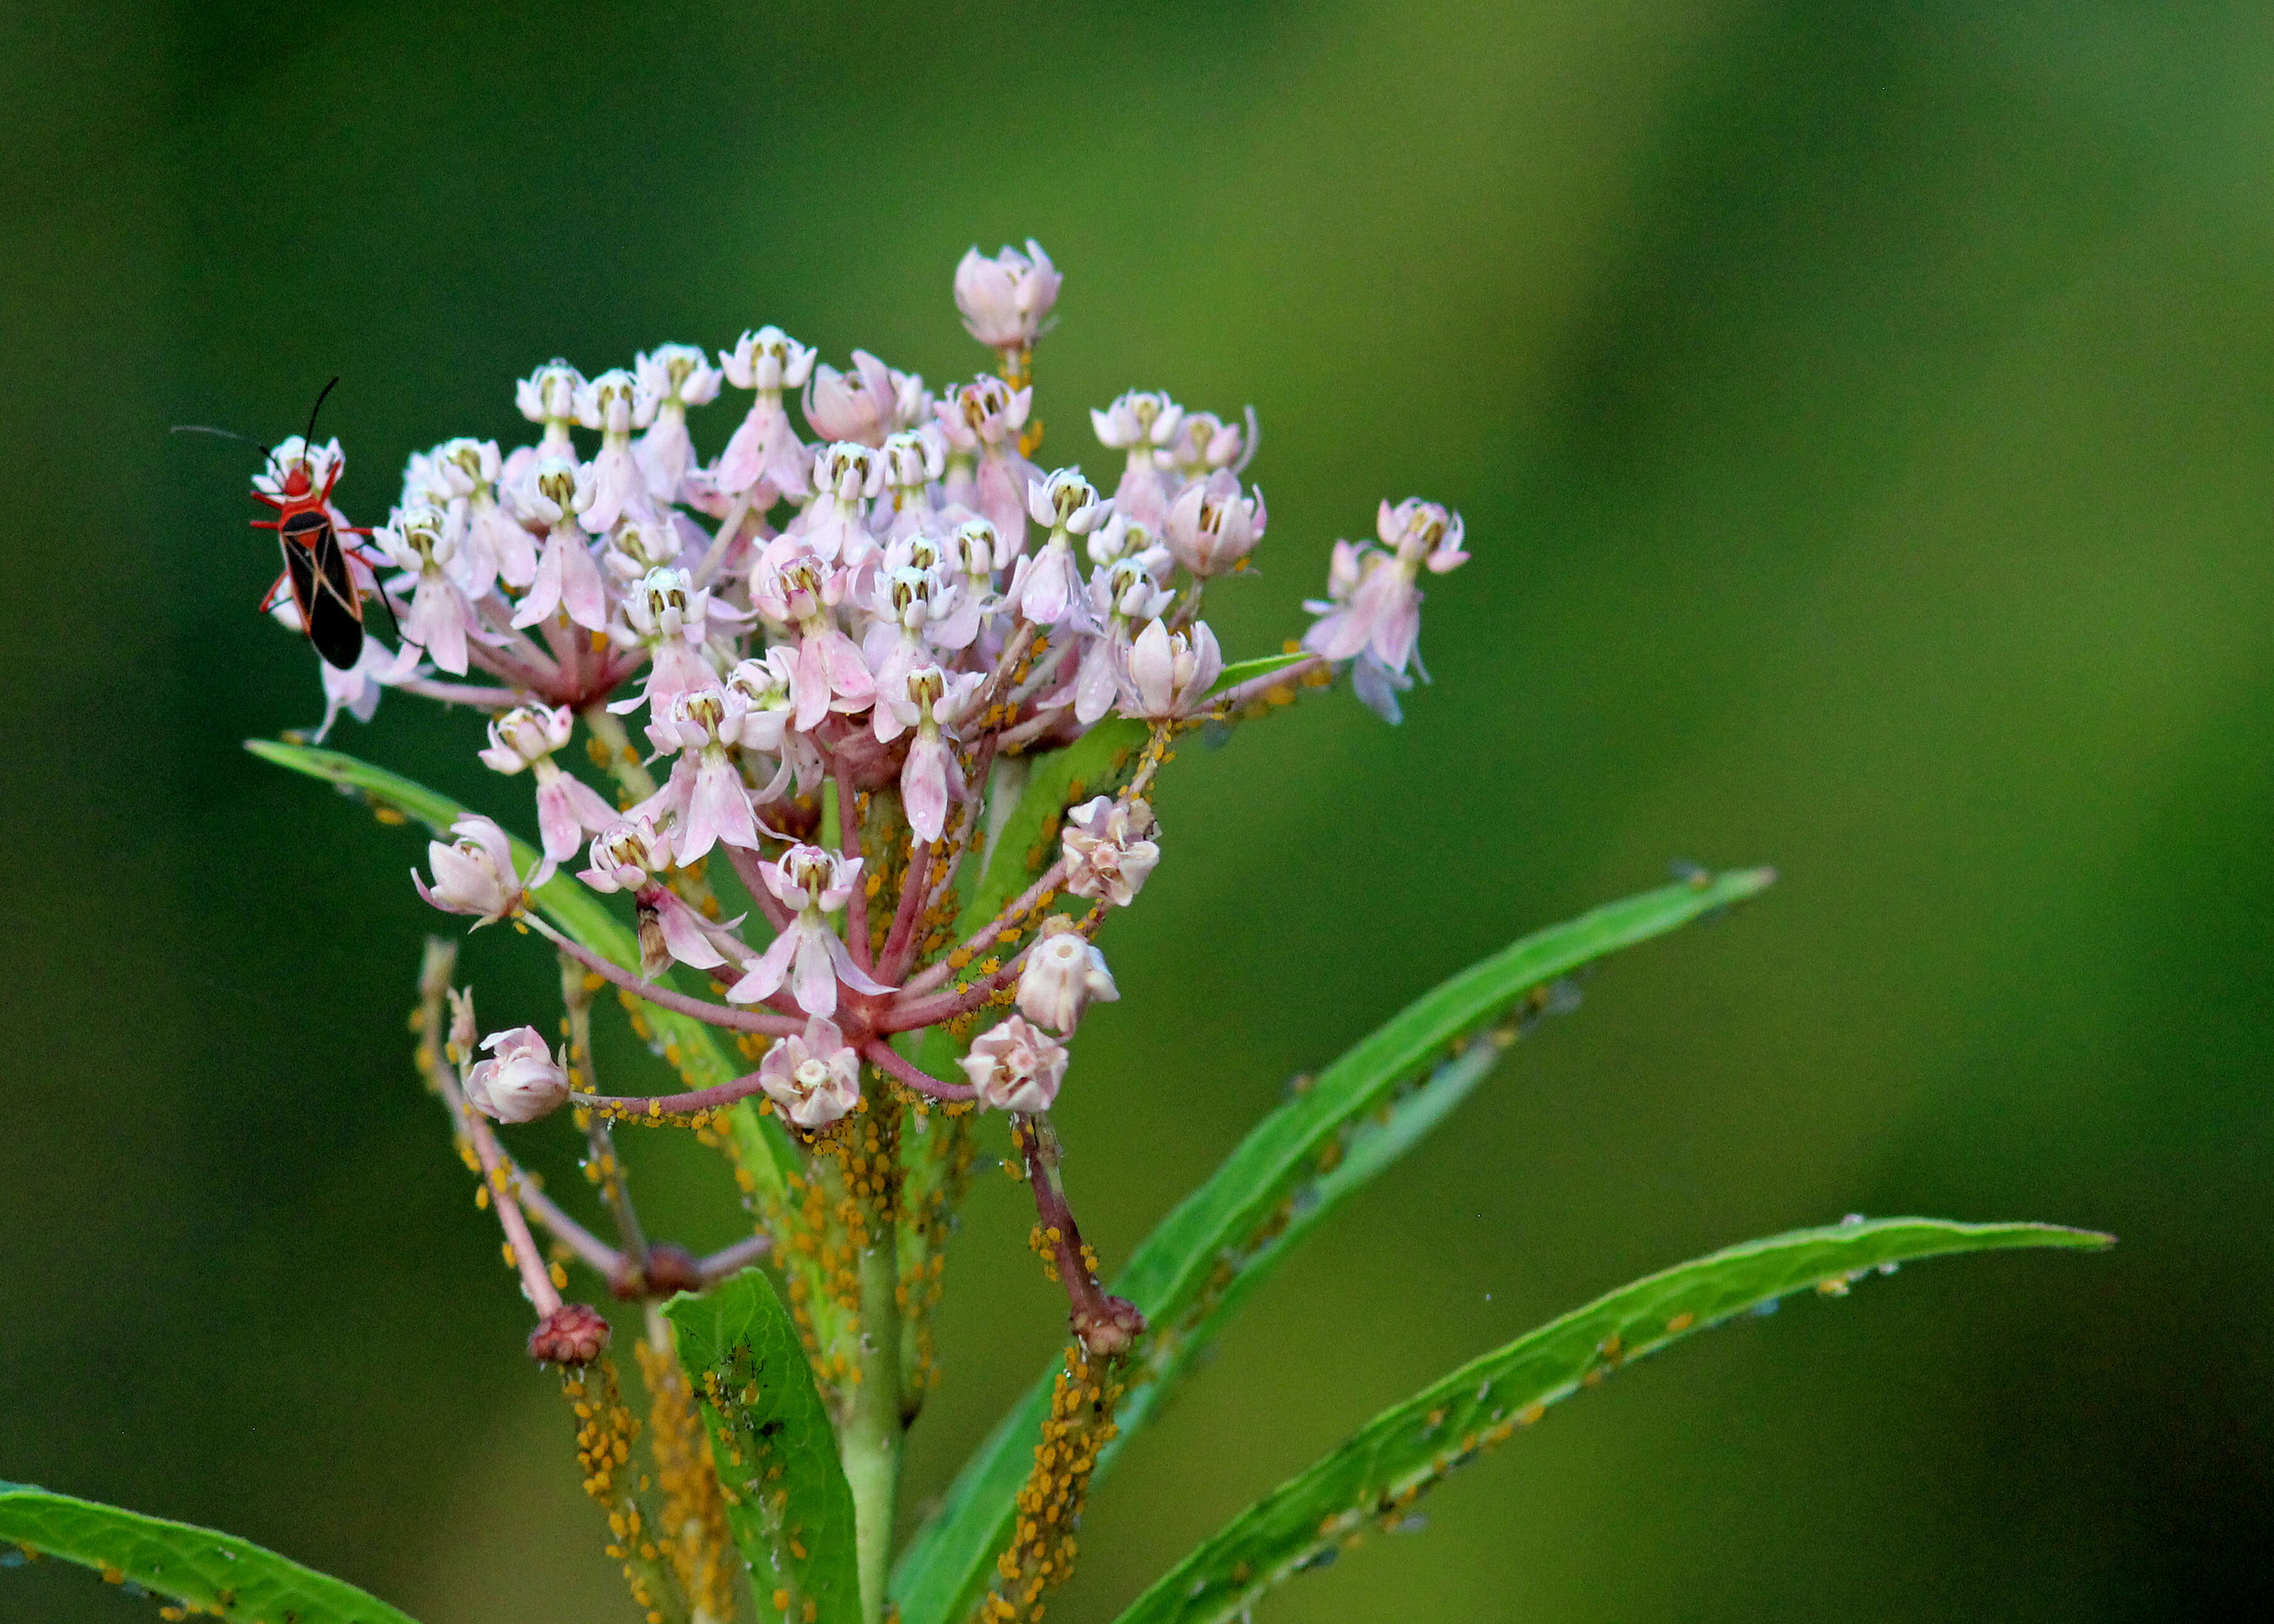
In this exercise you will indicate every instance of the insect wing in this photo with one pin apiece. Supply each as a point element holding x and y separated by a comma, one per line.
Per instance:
<point>331,607</point>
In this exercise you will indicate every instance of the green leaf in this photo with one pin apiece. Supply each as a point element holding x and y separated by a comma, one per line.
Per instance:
<point>1248,670</point>
<point>686,1044</point>
<point>182,1562</point>
<point>787,1501</point>
<point>1372,1144</point>
<point>1373,1479</point>
<point>1209,1254</point>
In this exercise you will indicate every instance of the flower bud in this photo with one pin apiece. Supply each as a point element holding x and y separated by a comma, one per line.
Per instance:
<point>862,404</point>
<point>1170,673</point>
<point>1016,1068</point>
<point>1212,527</point>
<point>521,1082</point>
<point>1110,849</point>
<point>1006,300</point>
<point>571,1335</point>
<point>1061,976</point>
<point>474,874</point>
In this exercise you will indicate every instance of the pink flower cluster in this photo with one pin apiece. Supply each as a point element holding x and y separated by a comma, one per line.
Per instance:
<point>883,595</point>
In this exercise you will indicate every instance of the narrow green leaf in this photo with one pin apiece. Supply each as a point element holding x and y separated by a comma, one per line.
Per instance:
<point>686,1044</point>
<point>1373,1478</point>
<point>1374,1143</point>
<point>1209,1254</point>
<point>192,1565</point>
<point>787,1501</point>
<point>1248,670</point>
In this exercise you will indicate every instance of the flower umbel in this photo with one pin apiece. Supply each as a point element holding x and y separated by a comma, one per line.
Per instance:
<point>868,645</point>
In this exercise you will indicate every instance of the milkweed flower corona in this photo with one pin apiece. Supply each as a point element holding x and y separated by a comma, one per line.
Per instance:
<point>903,689</point>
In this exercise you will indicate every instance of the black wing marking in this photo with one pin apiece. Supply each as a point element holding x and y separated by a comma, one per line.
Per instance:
<point>332,606</point>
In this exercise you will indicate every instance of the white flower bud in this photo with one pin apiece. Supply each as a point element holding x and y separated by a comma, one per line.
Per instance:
<point>1005,300</point>
<point>1061,976</point>
<point>521,1082</point>
<point>474,874</point>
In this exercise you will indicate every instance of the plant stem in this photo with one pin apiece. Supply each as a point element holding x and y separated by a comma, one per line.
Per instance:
<point>871,1445</point>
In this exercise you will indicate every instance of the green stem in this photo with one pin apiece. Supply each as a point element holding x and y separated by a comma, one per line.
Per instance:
<point>870,1444</point>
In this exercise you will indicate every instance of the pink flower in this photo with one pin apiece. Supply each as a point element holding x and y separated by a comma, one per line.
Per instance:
<point>525,735</point>
<point>1066,501</point>
<point>1061,976</point>
<point>627,854</point>
<point>1006,300</point>
<point>521,1081</point>
<point>815,1077</point>
<point>1046,589</point>
<point>424,541</point>
<point>765,686</point>
<point>1015,1067</point>
<point>983,420</point>
<point>928,700</point>
<point>637,546</point>
<point>1212,528</point>
<point>1143,424</point>
<point>1205,442</point>
<point>1170,673</point>
<point>568,808</point>
<point>676,377</point>
<point>1373,606</point>
<point>567,577</point>
<point>548,395</point>
<point>831,674</point>
<point>672,929</point>
<point>835,527</point>
<point>766,446</point>
<point>862,404</point>
<point>615,404</point>
<point>1128,589</point>
<point>900,641</point>
<point>1110,849</point>
<point>807,954</point>
<point>705,790</point>
<point>466,472</point>
<point>474,874</point>
<point>668,615</point>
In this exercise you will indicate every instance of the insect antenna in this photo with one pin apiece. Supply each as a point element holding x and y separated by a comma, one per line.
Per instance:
<point>308,440</point>
<point>243,440</point>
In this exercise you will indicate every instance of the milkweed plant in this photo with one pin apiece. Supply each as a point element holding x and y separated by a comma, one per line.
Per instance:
<point>874,710</point>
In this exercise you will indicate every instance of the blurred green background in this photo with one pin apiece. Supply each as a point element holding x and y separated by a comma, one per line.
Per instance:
<point>1862,416</point>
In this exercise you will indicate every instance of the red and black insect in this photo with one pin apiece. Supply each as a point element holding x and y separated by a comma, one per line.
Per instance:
<point>318,572</point>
